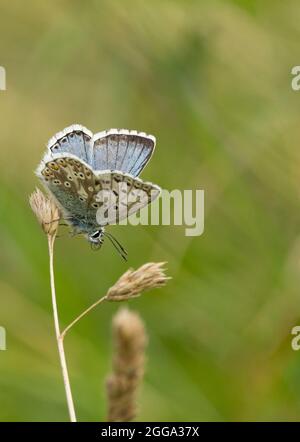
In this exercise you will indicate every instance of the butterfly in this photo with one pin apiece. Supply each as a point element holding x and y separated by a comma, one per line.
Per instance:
<point>94,178</point>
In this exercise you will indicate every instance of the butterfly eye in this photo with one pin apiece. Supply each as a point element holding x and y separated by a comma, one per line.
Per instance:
<point>95,205</point>
<point>67,184</point>
<point>81,176</point>
<point>56,182</point>
<point>96,234</point>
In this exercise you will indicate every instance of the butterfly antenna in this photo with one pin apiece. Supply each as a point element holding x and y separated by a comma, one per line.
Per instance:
<point>117,242</point>
<point>119,248</point>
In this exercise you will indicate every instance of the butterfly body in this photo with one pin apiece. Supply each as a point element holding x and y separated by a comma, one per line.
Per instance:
<point>92,177</point>
<point>82,225</point>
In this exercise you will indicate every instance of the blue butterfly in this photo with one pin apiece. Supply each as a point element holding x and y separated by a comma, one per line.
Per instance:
<point>79,169</point>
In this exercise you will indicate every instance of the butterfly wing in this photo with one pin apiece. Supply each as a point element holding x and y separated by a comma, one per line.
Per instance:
<point>122,195</point>
<point>73,184</point>
<point>120,149</point>
<point>95,199</point>
<point>75,139</point>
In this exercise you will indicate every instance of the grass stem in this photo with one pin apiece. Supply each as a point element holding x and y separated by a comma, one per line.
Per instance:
<point>85,312</point>
<point>60,344</point>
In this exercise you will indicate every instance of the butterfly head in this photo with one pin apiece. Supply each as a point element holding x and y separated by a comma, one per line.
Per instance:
<point>96,238</point>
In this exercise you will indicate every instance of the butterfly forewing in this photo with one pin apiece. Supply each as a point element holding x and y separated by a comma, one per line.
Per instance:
<point>75,140</point>
<point>72,184</point>
<point>100,198</point>
<point>127,151</point>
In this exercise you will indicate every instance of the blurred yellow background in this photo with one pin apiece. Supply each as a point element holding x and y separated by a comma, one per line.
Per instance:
<point>212,81</point>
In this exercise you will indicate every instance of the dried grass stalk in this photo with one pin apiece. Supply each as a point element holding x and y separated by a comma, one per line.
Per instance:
<point>122,385</point>
<point>134,282</point>
<point>48,216</point>
<point>129,333</point>
<point>131,285</point>
<point>46,212</point>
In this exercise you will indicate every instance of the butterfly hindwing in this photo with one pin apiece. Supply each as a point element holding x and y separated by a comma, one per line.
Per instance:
<point>125,195</point>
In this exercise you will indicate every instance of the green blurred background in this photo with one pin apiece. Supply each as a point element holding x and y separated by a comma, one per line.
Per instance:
<point>212,81</point>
